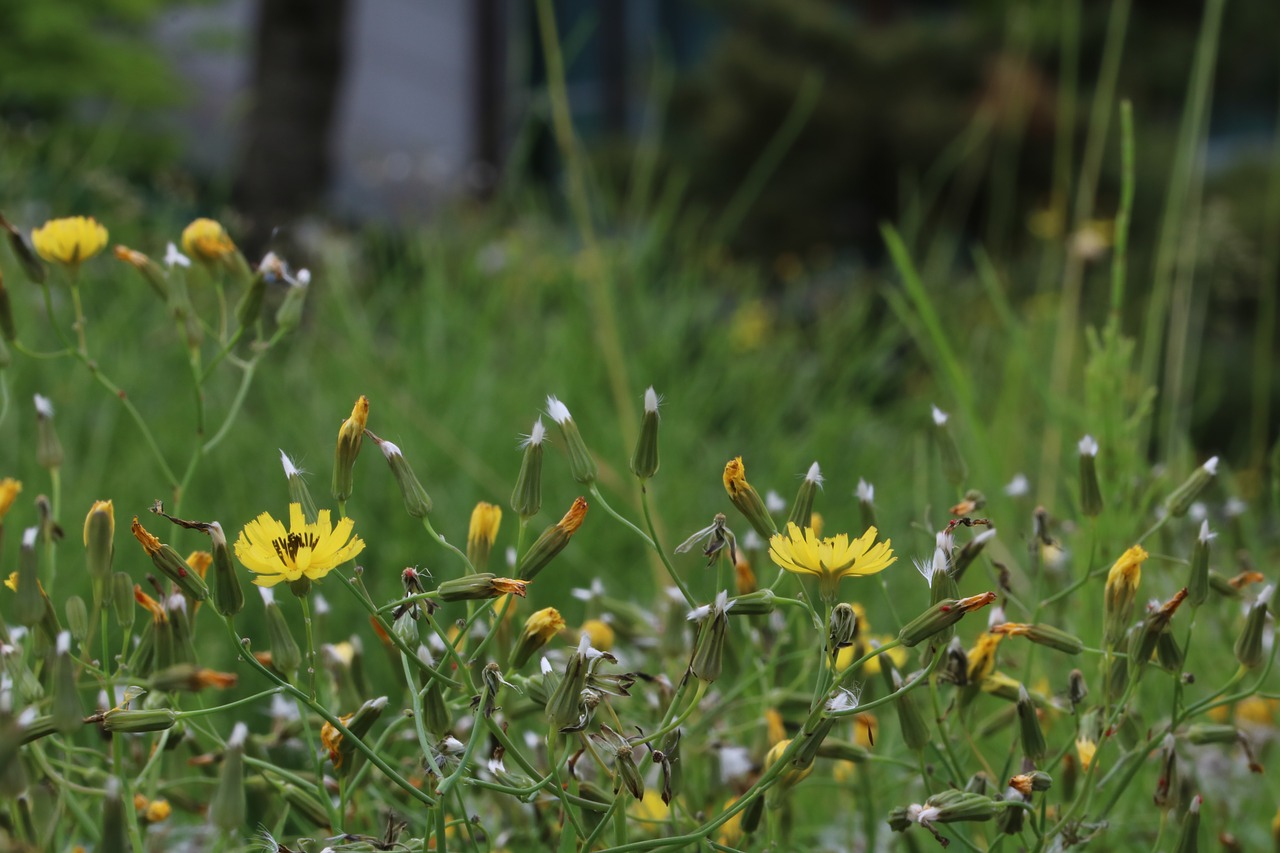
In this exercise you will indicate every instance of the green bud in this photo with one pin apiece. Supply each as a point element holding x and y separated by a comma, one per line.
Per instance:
<point>842,628</point>
<point>581,465</point>
<point>747,500</point>
<point>139,722</point>
<point>552,541</point>
<point>170,564</point>
<point>304,804</point>
<point>77,618</point>
<point>1090,493</point>
<point>758,603</point>
<point>708,653</point>
<point>802,509</point>
<point>249,309</point>
<point>1167,781</point>
<point>970,552</point>
<point>1043,635</point>
<point>915,731</point>
<point>122,600</point>
<point>644,461</point>
<point>67,710</point>
<point>148,269</point>
<point>435,713</point>
<point>285,655</point>
<point>99,536</point>
<point>416,500</point>
<point>1198,579</point>
<point>563,707</point>
<point>1203,733</point>
<point>31,264</point>
<point>227,808</point>
<point>289,314</point>
<point>941,616</point>
<point>360,724</point>
<point>350,439</point>
<point>115,831</point>
<point>8,331</point>
<point>672,766</point>
<point>843,750</point>
<point>1182,497</point>
<point>228,597</point>
<point>480,587</point>
<point>48,447</point>
<point>1249,645</point>
<point>29,605</point>
<point>1033,743</point>
<point>298,491</point>
<point>526,497</point>
<point>1189,834</point>
<point>953,465</point>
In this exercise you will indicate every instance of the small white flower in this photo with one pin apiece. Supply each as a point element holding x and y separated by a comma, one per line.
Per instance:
<point>1235,507</point>
<point>558,411</point>
<point>44,406</point>
<point>814,475</point>
<point>238,735</point>
<point>939,417</point>
<point>651,401</point>
<point>866,493</point>
<point>510,554</point>
<point>1018,486</point>
<point>735,763</point>
<point>322,609</point>
<point>1211,467</point>
<point>1198,511</point>
<point>64,643</point>
<point>751,541</point>
<point>174,258</point>
<point>535,436</point>
<point>1205,535</point>
<point>774,502</point>
<point>594,591</point>
<point>1088,446</point>
<point>29,537</point>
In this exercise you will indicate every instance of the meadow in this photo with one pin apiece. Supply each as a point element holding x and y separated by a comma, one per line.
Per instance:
<point>652,545</point>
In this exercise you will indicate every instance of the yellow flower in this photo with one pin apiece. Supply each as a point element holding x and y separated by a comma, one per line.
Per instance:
<point>98,506</point>
<point>157,810</point>
<point>773,721</point>
<point>650,808</point>
<point>9,490</point>
<point>485,519</point>
<point>69,241</point>
<point>731,829</point>
<point>304,550</point>
<point>207,241</point>
<point>601,634</point>
<point>982,657</point>
<point>200,561</point>
<point>1086,749</point>
<point>331,739</point>
<point>830,559</point>
<point>12,581</point>
<point>544,625</point>
<point>847,655</point>
<point>1121,592</point>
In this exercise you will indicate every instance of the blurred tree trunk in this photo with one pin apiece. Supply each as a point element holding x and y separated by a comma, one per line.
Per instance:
<point>299,56</point>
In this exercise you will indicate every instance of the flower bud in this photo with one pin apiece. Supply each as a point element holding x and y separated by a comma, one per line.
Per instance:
<point>1090,493</point>
<point>67,710</point>
<point>289,314</point>
<point>1188,835</point>
<point>150,271</point>
<point>228,597</point>
<point>748,500</point>
<point>1033,743</point>
<point>122,601</point>
<point>350,437</point>
<point>842,628</point>
<point>139,722</point>
<point>1156,623</point>
<point>581,465</point>
<point>970,552</point>
<point>115,831</point>
<point>170,564</point>
<point>552,541</point>
<point>672,766</point>
<point>227,808</point>
<point>1167,782</point>
<point>526,497</point>
<point>48,447</point>
<point>866,495</point>
<point>1077,688</point>
<point>953,465</point>
<point>1249,645</point>
<point>1198,579</point>
<point>1121,592</point>
<point>563,705</point>
<point>802,508</point>
<point>915,731</point>
<point>942,616</point>
<point>285,654</point>
<point>644,461</point>
<point>480,587</point>
<point>360,723</point>
<point>298,491</point>
<point>8,331</point>
<point>758,603</point>
<point>1168,655</point>
<point>1204,733</point>
<point>77,618</point>
<point>708,652</point>
<point>482,533</point>
<point>1182,497</point>
<point>538,631</point>
<point>31,265</point>
<point>416,500</point>
<point>99,535</point>
<point>1044,635</point>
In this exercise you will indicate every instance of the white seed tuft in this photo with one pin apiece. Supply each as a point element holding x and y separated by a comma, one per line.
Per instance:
<point>814,475</point>
<point>1211,467</point>
<point>558,411</point>
<point>939,417</point>
<point>651,401</point>
<point>1088,446</point>
<point>174,258</point>
<point>44,406</point>
<point>865,492</point>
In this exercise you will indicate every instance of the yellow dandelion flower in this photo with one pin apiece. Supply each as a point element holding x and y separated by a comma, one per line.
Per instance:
<point>200,561</point>
<point>158,810</point>
<point>304,550</point>
<point>982,657</point>
<point>485,519</point>
<point>9,491</point>
<point>1086,748</point>
<point>777,730</point>
<point>650,808</point>
<point>731,830</point>
<point>831,559</point>
<point>601,634</point>
<point>207,241</point>
<point>12,581</point>
<point>69,241</point>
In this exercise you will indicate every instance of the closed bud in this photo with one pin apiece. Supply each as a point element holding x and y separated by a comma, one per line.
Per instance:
<point>298,491</point>
<point>758,603</point>
<point>1169,655</point>
<point>1033,743</point>
<point>480,587</point>
<point>48,447</point>
<point>115,830</point>
<point>29,605</point>
<point>148,269</point>
<point>416,500</point>
<point>31,265</point>
<point>802,509</point>
<point>526,497</point>
<point>842,628</point>
<point>139,722</point>
<point>435,713</point>
<point>8,331</point>
<point>1044,635</point>
<point>1077,688</point>
<point>970,552</point>
<point>1189,833</point>
<point>953,465</point>
<point>644,461</point>
<point>1121,592</point>
<point>538,631</point>
<point>286,657</point>
<point>1167,782</point>
<point>552,541</point>
<point>866,495</point>
<point>748,500</point>
<point>342,749</point>
<point>1249,645</point>
<point>122,601</point>
<point>289,314</point>
<point>99,536</point>
<point>1090,493</point>
<point>915,731</point>
<point>350,437</point>
<point>170,564</point>
<point>941,616</point>
<point>228,597</point>
<point>191,678</point>
<point>482,533</point>
<point>1156,623</point>
<point>306,805</point>
<point>1198,579</point>
<point>227,808</point>
<point>581,465</point>
<point>67,710</point>
<point>1203,733</point>
<point>563,705</point>
<point>77,618</point>
<point>708,652</point>
<point>1182,497</point>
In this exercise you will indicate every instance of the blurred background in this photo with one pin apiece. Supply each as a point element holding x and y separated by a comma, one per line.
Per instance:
<point>731,170</point>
